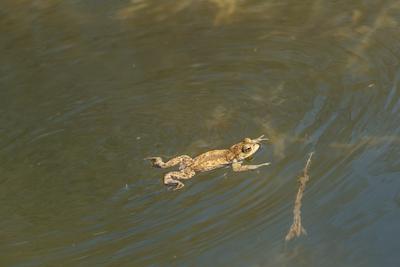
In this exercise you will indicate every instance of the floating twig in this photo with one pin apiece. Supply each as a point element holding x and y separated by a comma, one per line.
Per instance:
<point>297,229</point>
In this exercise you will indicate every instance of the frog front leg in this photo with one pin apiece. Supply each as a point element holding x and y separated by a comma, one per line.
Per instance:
<point>171,177</point>
<point>238,167</point>
<point>183,160</point>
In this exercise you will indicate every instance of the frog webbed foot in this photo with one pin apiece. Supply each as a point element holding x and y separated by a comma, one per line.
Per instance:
<point>156,162</point>
<point>171,178</point>
<point>170,181</point>
<point>179,186</point>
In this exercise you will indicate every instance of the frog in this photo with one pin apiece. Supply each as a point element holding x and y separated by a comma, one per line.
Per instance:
<point>210,160</point>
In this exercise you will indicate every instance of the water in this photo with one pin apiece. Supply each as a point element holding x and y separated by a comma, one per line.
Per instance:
<point>90,88</point>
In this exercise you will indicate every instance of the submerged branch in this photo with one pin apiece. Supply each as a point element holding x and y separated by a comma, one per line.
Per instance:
<point>297,229</point>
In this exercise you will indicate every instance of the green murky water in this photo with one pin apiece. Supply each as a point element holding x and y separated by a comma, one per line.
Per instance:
<point>90,88</point>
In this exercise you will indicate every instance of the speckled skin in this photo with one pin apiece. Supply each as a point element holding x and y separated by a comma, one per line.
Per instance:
<point>210,160</point>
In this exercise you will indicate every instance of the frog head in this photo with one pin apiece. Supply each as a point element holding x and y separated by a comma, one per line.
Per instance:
<point>246,148</point>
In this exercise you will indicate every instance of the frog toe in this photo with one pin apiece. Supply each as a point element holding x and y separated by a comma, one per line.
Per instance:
<point>179,186</point>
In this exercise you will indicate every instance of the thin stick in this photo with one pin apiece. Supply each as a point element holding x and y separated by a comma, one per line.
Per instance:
<point>297,229</point>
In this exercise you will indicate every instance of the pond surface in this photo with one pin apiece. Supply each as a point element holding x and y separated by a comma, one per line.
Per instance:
<point>88,89</point>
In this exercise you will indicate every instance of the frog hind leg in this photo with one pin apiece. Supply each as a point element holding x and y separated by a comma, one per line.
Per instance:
<point>172,178</point>
<point>183,161</point>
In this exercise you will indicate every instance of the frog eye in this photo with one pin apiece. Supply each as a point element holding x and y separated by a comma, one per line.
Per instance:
<point>246,149</point>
